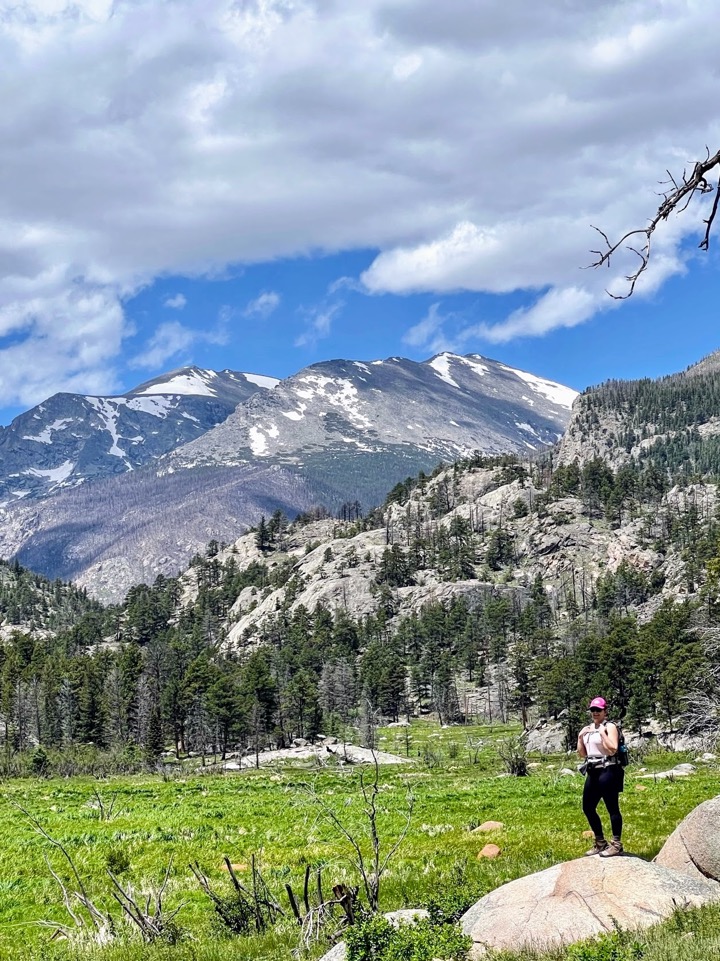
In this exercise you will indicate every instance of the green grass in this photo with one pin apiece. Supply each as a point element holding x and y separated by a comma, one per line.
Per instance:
<point>271,814</point>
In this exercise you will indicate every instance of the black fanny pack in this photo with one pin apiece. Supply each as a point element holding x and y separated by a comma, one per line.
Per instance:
<point>597,763</point>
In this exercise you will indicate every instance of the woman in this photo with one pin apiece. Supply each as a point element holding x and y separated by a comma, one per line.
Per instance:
<point>598,744</point>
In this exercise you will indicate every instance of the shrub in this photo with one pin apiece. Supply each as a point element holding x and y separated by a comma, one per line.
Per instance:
<point>616,946</point>
<point>39,761</point>
<point>375,939</point>
<point>117,861</point>
<point>513,753</point>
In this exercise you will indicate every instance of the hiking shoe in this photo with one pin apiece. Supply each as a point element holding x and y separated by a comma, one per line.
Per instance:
<point>599,847</point>
<point>611,849</point>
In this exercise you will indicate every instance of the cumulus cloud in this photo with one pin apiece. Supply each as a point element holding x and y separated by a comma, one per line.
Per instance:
<point>560,307</point>
<point>263,305</point>
<point>470,142</point>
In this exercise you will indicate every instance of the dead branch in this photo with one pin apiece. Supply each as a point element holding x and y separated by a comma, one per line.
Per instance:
<point>372,868</point>
<point>152,921</point>
<point>105,810</point>
<point>244,906</point>
<point>102,924</point>
<point>676,199</point>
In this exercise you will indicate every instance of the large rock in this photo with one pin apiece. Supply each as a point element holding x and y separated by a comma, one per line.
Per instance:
<point>694,846</point>
<point>548,737</point>
<point>580,899</point>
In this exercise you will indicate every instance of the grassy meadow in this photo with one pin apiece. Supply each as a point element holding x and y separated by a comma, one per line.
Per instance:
<point>139,825</point>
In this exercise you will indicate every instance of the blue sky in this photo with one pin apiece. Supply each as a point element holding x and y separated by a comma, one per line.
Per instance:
<point>262,321</point>
<point>264,184</point>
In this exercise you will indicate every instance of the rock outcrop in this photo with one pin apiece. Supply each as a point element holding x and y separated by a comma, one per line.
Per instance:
<point>693,848</point>
<point>547,737</point>
<point>580,899</point>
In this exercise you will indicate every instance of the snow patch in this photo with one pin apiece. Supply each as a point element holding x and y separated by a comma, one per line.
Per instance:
<point>157,405</point>
<point>338,392</point>
<point>529,428</point>
<point>187,382</point>
<point>441,366</point>
<point>295,414</point>
<point>108,413</point>
<point>555,393</point>
<point>474,365</point>
<point>258,442</point>
<point>45,435</point>
<point>57,474</point>
<point>273,431</point>
<point>269,383</point>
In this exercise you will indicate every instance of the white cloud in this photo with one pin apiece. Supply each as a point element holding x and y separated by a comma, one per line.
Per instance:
<point>429,334</point>
<point>263,305</point>
<point>560,307</point>
<point>319,323</point>
<point>169,340</point>
<point>470,142</point>
<point>176,303</point>
<point>174,340</point>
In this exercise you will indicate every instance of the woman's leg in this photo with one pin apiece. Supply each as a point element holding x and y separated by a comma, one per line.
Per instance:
<point>591,798</point>
<point>610,786</point>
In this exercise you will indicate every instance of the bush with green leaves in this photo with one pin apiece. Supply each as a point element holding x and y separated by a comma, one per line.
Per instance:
<point>455,894</point>
<point>616,946</point>
<point>375,939</point>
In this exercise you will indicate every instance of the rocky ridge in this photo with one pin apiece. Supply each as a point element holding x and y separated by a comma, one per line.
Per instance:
<point>441,409</point>
<point>336,565</point>
<point>633,421</point>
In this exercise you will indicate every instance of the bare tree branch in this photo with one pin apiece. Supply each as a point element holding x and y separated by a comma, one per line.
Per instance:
<point>102,924</point>
<point>676,199</point>
<point>372,867</point>
<point>152,921</point>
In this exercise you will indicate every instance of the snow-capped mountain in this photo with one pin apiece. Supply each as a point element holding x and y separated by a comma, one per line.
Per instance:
<point>73,438</point>
<point>388,417</point>
<point>135,485</point>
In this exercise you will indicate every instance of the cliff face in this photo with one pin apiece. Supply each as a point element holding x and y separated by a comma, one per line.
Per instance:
<point>473,533</point>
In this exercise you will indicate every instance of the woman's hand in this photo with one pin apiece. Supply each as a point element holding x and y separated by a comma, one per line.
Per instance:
<point>609,735</point>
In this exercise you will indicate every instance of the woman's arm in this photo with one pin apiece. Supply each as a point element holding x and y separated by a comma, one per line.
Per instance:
<point>609,736</point>
<point>581,749</point>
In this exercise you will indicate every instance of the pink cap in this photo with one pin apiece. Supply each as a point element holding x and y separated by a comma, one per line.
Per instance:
<point>599,702</point>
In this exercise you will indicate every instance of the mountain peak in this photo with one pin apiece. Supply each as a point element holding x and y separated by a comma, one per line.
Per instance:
<point>708,365</point>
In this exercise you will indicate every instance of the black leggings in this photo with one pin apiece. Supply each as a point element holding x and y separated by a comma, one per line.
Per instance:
<point>605,783</point>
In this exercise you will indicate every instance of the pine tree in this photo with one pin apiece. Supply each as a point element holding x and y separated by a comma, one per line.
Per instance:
<point>154,738</point>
